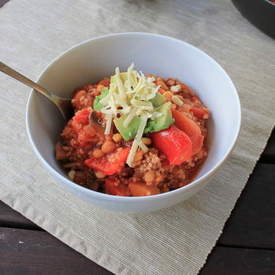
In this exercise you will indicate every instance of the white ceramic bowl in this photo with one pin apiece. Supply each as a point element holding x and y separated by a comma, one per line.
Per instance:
<point>94,59</point>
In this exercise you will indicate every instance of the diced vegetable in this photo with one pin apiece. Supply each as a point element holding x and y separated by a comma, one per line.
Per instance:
<point>174,144</point>
<point>141,189</point>
<point>163,121</point>
<point>105,82</point>
<point>113,187</point>
<point>86,135</point>
<point>97,105</point>
<point>82,116</point>
<point>109,164</point>
<point>187,125</point>
<point>130,131</point>
<point>158,100</point>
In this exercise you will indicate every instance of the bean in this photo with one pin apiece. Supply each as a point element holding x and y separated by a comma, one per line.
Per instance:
<point>146,141</point>
<point>108,147</point>
<point>71,174</point>
<point>138,156</point>
<point>149,176</point>
<point>117,137</point>
<point>97,153</point>
<point>99,175</point>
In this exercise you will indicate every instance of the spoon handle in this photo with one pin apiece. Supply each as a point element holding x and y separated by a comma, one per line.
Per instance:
<point>21,78</point>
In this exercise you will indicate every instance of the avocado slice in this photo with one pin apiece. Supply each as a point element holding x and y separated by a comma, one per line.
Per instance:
<point>130,131</point>
<point>158,124</point>
<point>158,100</point>
<point>97,106</point>
<point>162,122</point>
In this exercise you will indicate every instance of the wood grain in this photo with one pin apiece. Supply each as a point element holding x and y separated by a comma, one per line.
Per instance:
<point>3,2</point>
<point>11,218</point>
<point>252,222</point>
<point>268,154</point>
<point>237,261</point>
<point>36,252</point>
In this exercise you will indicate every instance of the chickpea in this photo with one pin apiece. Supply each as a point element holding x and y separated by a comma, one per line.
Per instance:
<point>146,141</point>
<point>171,82</point>
<point>168,95</point>
<point>97,153</point>
<point>108,147</point>
<point>149,176</point>
<point>138,156</point>
<point>71,174</point>
<point>117,137</point>
<point>99,175</point>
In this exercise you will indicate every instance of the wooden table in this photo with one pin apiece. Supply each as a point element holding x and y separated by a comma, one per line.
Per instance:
<point>247,245</point>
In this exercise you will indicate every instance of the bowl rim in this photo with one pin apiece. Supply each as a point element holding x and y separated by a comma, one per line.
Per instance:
<point>141,198</point>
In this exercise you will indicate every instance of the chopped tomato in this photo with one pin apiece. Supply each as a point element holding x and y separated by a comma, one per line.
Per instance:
<point>141,189</point>
<point>200,113</point>
<point>109,164</point>
<point>82,116</point>
<point>187,125</point>
<point>105,82</point>
<point>173,143</point>
<point>84,130</point>
<point>86,135</point>
<point>114,187</point>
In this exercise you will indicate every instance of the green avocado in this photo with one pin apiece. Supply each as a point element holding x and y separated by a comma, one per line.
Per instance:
<point>158,100</point>
<point>162,122</point>
<point>130,131</point>
<point>158,124</point>
<point>97,106</point>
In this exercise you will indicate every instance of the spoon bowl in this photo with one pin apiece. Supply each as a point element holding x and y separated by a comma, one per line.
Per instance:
<point>63,104</point>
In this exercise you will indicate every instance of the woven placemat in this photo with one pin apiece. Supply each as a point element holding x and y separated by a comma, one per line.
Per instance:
<point>171,241</point>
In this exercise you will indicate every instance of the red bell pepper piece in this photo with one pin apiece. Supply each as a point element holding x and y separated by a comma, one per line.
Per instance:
<point>173,143</point>
<point>109,164</point>
<point>187,125</point>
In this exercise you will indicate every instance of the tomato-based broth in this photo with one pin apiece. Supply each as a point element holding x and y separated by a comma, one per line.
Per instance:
<point>134,135</point>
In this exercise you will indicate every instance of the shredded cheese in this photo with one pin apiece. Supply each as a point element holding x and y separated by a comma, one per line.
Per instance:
<point>109,120</point>
<point>129,94</point>
<point>132,153</point>
<point>143,147</point>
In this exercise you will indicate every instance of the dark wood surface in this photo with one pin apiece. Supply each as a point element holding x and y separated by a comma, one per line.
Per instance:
<point>247,245</point>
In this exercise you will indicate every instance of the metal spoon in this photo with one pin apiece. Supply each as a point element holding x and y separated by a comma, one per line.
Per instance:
<point>63,104</point>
